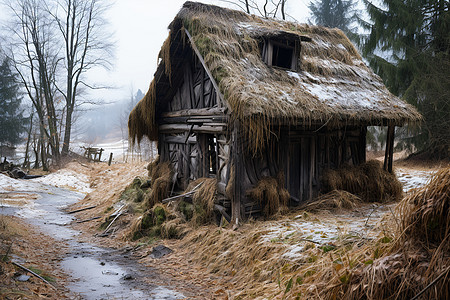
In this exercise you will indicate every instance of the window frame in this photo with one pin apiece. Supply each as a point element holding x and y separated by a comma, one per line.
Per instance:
<point>268,50</point>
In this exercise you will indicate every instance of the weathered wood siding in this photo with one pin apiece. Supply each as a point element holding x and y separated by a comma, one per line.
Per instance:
<point>196,90</point>
<point>302,156</point>
<point>192,129</point>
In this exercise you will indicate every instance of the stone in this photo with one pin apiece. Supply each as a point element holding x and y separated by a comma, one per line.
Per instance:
<point>160,251</point>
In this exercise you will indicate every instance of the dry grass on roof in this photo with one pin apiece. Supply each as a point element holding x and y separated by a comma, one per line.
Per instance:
<point>229,42</point>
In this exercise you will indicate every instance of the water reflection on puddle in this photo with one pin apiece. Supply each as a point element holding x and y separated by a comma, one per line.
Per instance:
<point>99,281</point>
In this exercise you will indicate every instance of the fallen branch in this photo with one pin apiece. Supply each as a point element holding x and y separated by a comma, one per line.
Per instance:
<point>81,209</point>
<point>91,219</point>
<point>5,257</point>
<point>119,212</point>
<point>37,275</point>
<point>177,197</point>
<point>182,195</point>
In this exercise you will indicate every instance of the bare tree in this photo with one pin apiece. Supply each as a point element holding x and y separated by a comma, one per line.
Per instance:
<point>36,60</point>
<point>86,45</point>
<point>53,37</point>
<point>264,8</point>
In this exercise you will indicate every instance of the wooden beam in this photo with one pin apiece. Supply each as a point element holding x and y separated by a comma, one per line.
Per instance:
<point>312,166</point>
<point>389,152</point>
<point>362,145</point>
<point>237,159</point>
<point>210,111</point>
<point>223,211</point>
<point>171,128</point>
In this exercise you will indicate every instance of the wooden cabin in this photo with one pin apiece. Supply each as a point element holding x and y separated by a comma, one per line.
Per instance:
<point>241,98</point>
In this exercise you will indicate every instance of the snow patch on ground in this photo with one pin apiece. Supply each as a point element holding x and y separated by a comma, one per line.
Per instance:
<point>8,184</point>
<point>67,179</point>
<point>305,229</point>
<point>413,179</point>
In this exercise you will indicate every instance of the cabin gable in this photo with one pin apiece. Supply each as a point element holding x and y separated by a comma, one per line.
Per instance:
<point>195,91</point>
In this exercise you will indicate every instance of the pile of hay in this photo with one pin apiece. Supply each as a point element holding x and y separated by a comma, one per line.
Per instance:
<point>270,194</point>
<point>160,174</point>
<point>368,181</point>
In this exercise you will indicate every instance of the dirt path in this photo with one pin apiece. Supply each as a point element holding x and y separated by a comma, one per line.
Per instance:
<point>93,272</point>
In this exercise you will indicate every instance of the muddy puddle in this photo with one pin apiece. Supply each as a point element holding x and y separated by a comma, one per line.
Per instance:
<point>97,273</point>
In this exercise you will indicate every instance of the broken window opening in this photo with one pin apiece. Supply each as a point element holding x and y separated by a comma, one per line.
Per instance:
<point>281,53</point>
<point>282,56</point>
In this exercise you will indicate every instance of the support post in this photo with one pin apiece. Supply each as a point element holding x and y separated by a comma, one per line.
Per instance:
<point>389,153</point>
<point>391,129</point>
<point>237,159</point>
<point>110,159</point>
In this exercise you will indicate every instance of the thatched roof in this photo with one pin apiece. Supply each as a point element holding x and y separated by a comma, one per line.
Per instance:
<point>332,85</point>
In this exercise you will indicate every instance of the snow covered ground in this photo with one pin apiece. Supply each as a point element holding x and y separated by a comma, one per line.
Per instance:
<point>67,179</point>
<point>119,148</point>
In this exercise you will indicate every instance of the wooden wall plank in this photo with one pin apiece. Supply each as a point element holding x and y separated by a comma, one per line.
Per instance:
<point>237,162</point>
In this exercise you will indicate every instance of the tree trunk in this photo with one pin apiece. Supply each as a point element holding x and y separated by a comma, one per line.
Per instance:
<point>43,154</point>
<point>67,130</point>
<point>27,147</point>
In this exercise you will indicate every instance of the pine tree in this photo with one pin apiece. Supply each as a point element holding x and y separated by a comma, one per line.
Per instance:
<point>408,45</point>
<point>335,14</point>
<point>11,119</point>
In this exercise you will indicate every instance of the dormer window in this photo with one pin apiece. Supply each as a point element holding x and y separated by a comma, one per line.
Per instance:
<point>281,53</point>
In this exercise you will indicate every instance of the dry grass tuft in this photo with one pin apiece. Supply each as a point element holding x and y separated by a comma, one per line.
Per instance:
<point>142,118</point>
<point>270,194</point>
<point>368,181</point>
<point>425,214</point>
<point>203,200</point>
<point>336,199</point>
